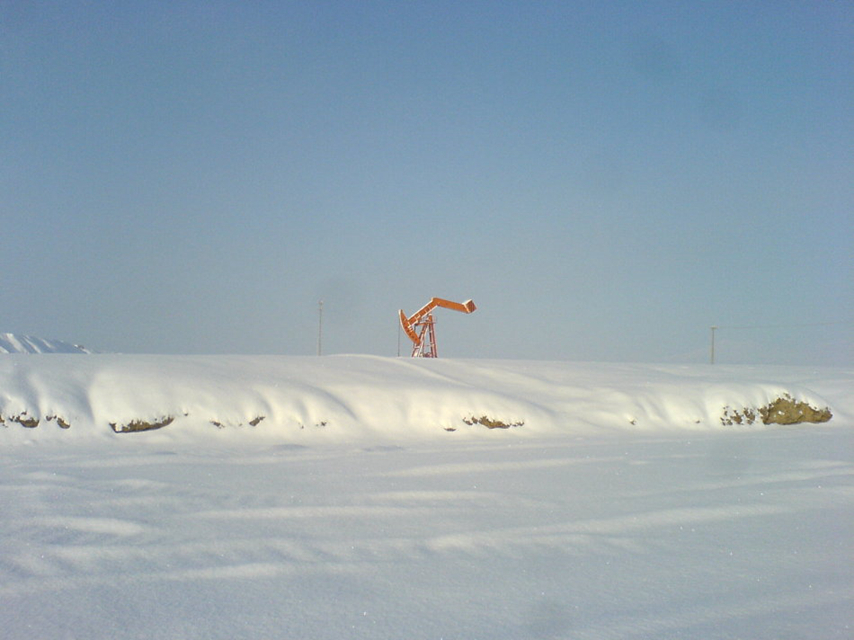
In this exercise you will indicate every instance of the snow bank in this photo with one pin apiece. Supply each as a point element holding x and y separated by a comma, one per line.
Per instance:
<point>348,397</point>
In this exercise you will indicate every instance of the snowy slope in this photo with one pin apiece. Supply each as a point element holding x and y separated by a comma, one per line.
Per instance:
<point>14,343</point>
<point>347,397</point>
<point>623,508</point>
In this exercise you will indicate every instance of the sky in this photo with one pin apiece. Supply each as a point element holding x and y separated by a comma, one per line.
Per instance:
<point>606,180</point>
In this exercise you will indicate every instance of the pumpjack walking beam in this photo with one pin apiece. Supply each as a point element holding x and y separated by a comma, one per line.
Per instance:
<point>420,326</point>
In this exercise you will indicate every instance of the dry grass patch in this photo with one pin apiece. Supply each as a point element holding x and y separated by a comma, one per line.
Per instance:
<point>784,410</point>
<point>142,425</point>
<point>492,423</point>
<point>25,420</point>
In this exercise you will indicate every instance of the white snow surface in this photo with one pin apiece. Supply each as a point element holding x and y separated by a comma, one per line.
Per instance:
<point>15,343</point>
<point>308,399</point>
<point>619,506</point>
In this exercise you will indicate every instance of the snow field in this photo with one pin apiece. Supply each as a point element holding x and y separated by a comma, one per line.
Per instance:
<point>706,535</point>
<point>623,508</point>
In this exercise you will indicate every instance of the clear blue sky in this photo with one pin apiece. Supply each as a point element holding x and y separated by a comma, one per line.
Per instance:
<point>606,180</point>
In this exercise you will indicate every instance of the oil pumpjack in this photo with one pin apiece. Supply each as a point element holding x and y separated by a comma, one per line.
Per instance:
<point>419,327</point>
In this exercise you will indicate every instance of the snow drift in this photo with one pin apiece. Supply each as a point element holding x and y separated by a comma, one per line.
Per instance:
<point>347,397</point>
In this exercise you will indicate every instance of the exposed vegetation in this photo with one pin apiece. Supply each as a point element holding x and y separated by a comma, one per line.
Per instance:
<point>31,422</point>
<point>63,424</point>
<point>142,425</point>
<point>252,423</point>
<point>491,423</point>
<point>25,420</point>
<point>734,416</point>
<point>317,425</point>
<point>784,410</point>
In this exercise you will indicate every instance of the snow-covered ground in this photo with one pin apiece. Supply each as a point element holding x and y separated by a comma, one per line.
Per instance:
<point>13,343</point>
<point>338,398</point>
<point>616,503</point>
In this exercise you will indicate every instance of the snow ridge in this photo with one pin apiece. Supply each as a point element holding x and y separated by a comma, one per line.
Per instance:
<point>16,343</point>
<point>339,398</point>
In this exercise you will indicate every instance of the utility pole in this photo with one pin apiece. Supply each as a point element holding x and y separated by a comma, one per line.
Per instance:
<point>713,345</point>
<point>320,327</point>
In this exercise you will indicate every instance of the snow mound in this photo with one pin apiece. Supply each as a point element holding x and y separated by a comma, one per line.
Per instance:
<point>14,343</point>
<point>342,398</point>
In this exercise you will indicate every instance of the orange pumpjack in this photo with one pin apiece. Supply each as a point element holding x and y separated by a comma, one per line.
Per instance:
<point>420,327</point>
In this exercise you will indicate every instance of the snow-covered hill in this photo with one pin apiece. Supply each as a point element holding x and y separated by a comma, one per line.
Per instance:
<point>340,398</point>
<point>15,343</point>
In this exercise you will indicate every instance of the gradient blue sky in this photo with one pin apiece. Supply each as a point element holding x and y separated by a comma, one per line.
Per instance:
<point>605,179</point>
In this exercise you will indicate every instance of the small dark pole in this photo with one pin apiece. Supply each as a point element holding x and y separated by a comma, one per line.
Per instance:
<point>713,345</point>
<point>320,328</point>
